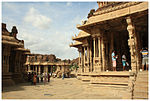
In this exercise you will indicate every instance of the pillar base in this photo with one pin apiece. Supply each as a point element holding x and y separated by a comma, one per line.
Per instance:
<point>7,80</point>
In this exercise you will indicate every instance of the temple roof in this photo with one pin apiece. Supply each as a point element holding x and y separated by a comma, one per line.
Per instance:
<point>113,11</point>
<point>82,34</point>
<point>76,44</point>
<point>11,41</point>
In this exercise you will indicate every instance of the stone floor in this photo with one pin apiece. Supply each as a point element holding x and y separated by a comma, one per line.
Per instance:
<point>69,88</point>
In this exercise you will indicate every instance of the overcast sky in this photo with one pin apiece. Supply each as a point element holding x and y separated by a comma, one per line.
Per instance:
<point>47,27</point>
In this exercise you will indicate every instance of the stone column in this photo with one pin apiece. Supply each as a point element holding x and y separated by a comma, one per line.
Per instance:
<point>91,57</point>
<point>84,61</point>
<point>131,43</point>
<point>106,55</point>
<point>103,53</point>
<point>29,68</point>
<point>47,69</point>
<point>35,68</point>
<point>112,48</point>
<point>94,53</point>
<point>39,71</point>
<point>88,59</point>
<point>139,45</point>
<point>81,60</point>
<point>100,57</point>
<point>44,69</point>
<point>139,64</point>
<point>63,69</point>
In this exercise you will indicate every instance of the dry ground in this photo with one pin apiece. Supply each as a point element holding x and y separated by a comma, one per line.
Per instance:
<point>69,88</point>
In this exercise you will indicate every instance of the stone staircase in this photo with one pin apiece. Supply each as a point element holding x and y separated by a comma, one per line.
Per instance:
<point>141,86</point>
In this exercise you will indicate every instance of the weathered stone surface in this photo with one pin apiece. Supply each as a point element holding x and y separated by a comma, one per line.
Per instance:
<point>13,57</point>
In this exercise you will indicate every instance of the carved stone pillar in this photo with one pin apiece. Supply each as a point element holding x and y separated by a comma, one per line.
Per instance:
<point>63,69</point>
<point>81,59</point>
<point>84,59</point>
<point>88,59</point>
<point>103,52</point>
<point>131,43</point>
<point>137,40</point>
<point>39,70</point>
<point>36,69</point>
<point>94,54</point>
<point>106,55</point>
<point>29,68</point>
<point>91,63</point>
<point>100,57</point>
<point>111,48</point>
<point>47,69</point>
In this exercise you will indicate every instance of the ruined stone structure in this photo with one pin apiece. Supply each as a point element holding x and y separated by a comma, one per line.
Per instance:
<point>13,57</point>
<point>120,26</point>
<point>47,64</point>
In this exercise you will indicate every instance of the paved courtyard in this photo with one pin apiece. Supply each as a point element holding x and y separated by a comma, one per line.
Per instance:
<point>69,88</point>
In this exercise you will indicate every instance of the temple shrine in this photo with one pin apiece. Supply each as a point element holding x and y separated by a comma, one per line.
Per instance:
<point>119,26</point>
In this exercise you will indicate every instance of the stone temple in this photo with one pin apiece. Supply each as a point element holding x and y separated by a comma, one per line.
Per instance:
<point>13,57</point>
<point>40,63</point>
<point>119,26</point>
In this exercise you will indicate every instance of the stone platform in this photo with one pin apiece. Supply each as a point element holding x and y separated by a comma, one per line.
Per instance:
<point>108,78</point>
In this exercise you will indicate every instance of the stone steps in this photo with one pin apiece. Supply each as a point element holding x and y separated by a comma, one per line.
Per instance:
<point>141,86</point>
<point>104,85</point>
<point>110,83</point>
<point>140,95</point>
<point>142,79</point>
<point>140,89</point>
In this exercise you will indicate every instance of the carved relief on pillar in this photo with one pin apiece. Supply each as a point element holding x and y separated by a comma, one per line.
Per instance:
<point>97,64</point>
<point>131,43</point>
